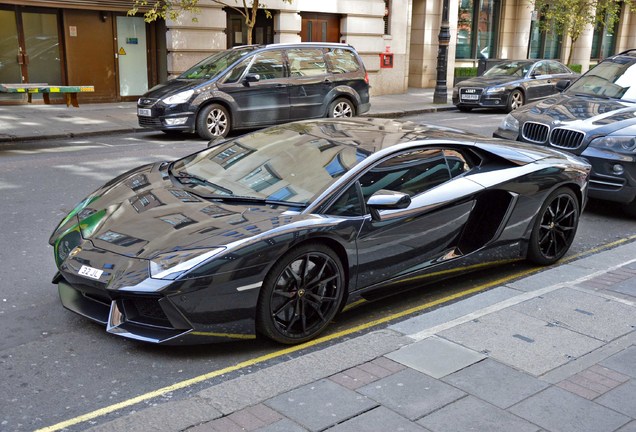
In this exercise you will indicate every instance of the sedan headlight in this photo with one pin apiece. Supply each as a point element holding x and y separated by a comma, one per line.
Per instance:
<point>171,265</point>
<point>492,90</point>
<point>510,123</point>
<point>179,98</point>
<point>619,144</point>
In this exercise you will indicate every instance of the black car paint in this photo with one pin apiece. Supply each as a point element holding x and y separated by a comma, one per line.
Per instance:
<point>480,218</point>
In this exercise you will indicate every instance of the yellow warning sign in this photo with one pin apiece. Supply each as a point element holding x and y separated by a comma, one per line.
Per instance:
<point>122,51</point>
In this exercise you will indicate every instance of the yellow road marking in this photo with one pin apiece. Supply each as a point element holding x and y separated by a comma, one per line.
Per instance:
<point>251,362</point>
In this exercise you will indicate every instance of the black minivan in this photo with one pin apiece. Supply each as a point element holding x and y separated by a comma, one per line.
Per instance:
<point>259,85</point>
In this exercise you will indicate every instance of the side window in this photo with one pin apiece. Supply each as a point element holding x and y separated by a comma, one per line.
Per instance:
<point>540,69</point>
<point>557,68</point>
<point>412,173</point>
<point>348,204</point>
<point>457,163</point>
<point>269,65</point>
<point>237,71</point>
<point>342,60</point>
<point>306,62</point>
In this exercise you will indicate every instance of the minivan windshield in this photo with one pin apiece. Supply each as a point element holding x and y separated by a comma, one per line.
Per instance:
<point>215,64</point>
<point>613,78</point>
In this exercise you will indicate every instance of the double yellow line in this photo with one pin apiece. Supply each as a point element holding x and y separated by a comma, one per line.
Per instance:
<point>251,362</point>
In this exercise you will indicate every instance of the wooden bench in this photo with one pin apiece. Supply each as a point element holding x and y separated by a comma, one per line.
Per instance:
<point>69,92</point>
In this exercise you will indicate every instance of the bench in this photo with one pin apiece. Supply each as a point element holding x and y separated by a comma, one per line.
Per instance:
<point>69,92</point>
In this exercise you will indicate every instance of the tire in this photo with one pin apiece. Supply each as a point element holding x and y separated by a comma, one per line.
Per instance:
<point>213,121</point>
<point>341,108</point>
<point>554,228</point>
<point>515,100</point>
<point>464,108</point>
<point>301,294</point>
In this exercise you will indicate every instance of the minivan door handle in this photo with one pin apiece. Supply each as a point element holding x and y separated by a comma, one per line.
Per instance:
<point>327,81</point>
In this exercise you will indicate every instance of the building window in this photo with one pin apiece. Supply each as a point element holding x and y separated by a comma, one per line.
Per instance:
<point>604,39</point>
<point>261,178</point>
<point>477,28</point>
<point>545,43</point>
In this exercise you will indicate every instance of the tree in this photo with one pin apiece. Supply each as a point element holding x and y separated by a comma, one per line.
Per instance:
<point>571,17</point>
<point>172,9</point>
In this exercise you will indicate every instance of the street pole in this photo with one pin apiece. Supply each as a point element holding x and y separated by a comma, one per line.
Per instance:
<point>440,96</point>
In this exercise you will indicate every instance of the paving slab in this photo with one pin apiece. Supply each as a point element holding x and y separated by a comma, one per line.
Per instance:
<point>496,383</point>
<point>584,313</point>
<point>284,425</point>
<point>473,414</point>
<point>629,427</point>
<point>627,287</point>
<point>552,276</point>
<point>608,259</point>
<point>379,419</point>
<point>321,404</point>
<point>522,341</point>
<point>435,356</point>
<point>623,362</point>
<point>411,394</point>
<point>555,409</point>
<point>621,399</point>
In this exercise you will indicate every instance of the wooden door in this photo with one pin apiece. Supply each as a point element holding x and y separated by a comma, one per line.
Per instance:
<point>320,28</point>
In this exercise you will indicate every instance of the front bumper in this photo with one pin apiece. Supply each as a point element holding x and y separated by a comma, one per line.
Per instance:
<point>166,117</point>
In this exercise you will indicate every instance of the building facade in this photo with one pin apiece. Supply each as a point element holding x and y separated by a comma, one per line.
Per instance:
<point>90,42</point>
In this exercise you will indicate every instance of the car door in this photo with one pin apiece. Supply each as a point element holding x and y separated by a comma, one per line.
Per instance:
<point>540,84</point>
<point>310,82</point>
<point>408,241</point>
<point>259,88</point>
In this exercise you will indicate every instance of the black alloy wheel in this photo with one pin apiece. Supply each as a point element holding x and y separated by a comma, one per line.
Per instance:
<point>301,294</point>
<point>213,121</point>
<point>555,227</point>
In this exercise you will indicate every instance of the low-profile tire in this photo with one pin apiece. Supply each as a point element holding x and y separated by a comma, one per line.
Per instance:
<point>464,108</point>
<point>301,294</point>
<point>341,108</point>
<point>555,227</point>
<point>515,100</point>
<point>213,121</point>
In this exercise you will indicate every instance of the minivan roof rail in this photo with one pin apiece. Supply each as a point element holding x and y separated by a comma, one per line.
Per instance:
<point>628,52</point>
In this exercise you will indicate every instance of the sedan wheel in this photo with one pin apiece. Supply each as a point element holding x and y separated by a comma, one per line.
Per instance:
<point>213,121</point>
<point>515,100</point>
<point>555,227</point>
<point>341,108</point>
<point>301,294</point>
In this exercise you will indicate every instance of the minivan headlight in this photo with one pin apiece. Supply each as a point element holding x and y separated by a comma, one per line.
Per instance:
<point>509,123</point>
<point>619,144</point>
<point>179,98</point>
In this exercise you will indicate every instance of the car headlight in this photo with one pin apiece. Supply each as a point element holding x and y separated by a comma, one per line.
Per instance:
<point>179,98</point>
<point>171,265</point>
<point>510,123</point>
<point>495,90</point>
<point>619,144</point>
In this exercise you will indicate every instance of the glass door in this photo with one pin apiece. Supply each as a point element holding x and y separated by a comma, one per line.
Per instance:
<point>10,50</point>
<point>131,52</point>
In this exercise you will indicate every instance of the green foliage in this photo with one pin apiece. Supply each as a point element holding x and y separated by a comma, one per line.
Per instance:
<point>576,67</point>
<point>465,72</point>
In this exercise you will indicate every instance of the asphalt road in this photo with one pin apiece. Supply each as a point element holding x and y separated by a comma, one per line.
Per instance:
<point>57,366</point>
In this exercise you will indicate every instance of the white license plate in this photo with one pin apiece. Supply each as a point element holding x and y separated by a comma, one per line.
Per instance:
<point>470,97</point>
<point>144,112</point>
<point>90,272</point>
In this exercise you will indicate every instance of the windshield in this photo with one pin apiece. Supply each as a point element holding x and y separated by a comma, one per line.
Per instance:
<point>518,69</point>
<point>290,163</point>
<point>213,65</point>
<point>610,79</point>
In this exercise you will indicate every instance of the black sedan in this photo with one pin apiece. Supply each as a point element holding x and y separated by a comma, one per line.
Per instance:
<point>511,84</point>
<point>274,232</point>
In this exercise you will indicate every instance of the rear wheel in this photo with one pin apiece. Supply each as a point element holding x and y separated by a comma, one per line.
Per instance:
<point>341,107</point>
<point>213,121</point>
<point>515,100</point>
<point>301,294</point>
<point>555,227</point>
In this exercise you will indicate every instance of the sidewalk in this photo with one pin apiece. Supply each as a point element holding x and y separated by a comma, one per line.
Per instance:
<point>36,122</point>
<point>555,351</point>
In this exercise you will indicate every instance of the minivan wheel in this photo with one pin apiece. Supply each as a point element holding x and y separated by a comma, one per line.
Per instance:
<point>213,121</point>
<point>341,107</point>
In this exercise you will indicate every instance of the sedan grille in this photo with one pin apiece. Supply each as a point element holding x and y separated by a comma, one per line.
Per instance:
<point>566,138</point>
<point>469,94</point>
<point>535,132</point>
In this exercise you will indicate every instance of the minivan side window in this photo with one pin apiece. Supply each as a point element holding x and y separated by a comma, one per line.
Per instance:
<point>268,65</point>
<point>342,60</point>
<point>237,71</point>
<point>306,62</point>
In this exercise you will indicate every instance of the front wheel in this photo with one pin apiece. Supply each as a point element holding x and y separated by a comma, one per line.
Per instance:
<point>555,227</point>
<point>515,100</point>
<point>213,121</point>
<point>340,108</point>
<point>301,294</point>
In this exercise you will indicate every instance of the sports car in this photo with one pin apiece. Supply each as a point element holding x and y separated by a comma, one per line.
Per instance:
<point>274,232</point>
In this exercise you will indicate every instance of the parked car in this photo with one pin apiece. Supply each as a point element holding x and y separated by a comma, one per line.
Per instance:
<point>254,86</point>
<point>594,118</point>
<point>511,84</point>
<point>275,231</point>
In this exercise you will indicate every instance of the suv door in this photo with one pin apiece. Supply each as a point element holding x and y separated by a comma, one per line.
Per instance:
<point>310,82</point>
<point>259,87</point>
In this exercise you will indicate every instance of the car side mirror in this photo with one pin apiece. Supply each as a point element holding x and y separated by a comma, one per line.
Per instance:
<point>251,78</point>
<point>387,200</point>
<point>562,85</point>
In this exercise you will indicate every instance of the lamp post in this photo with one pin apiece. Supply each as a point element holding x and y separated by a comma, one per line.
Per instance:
<point>440,96</point>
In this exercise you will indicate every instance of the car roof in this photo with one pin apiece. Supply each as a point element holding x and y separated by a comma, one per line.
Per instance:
<point>297,45</point>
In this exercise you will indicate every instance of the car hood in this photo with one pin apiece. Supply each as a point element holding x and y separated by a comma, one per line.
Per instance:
<point>483,81</point>
<point>171,87</point>
<point>581,112</point>
<point>145,214</point>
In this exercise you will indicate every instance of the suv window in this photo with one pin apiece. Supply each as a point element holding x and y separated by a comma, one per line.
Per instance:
<point>342,60</point>
<point>611,78</point>
<point>306,62</point>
